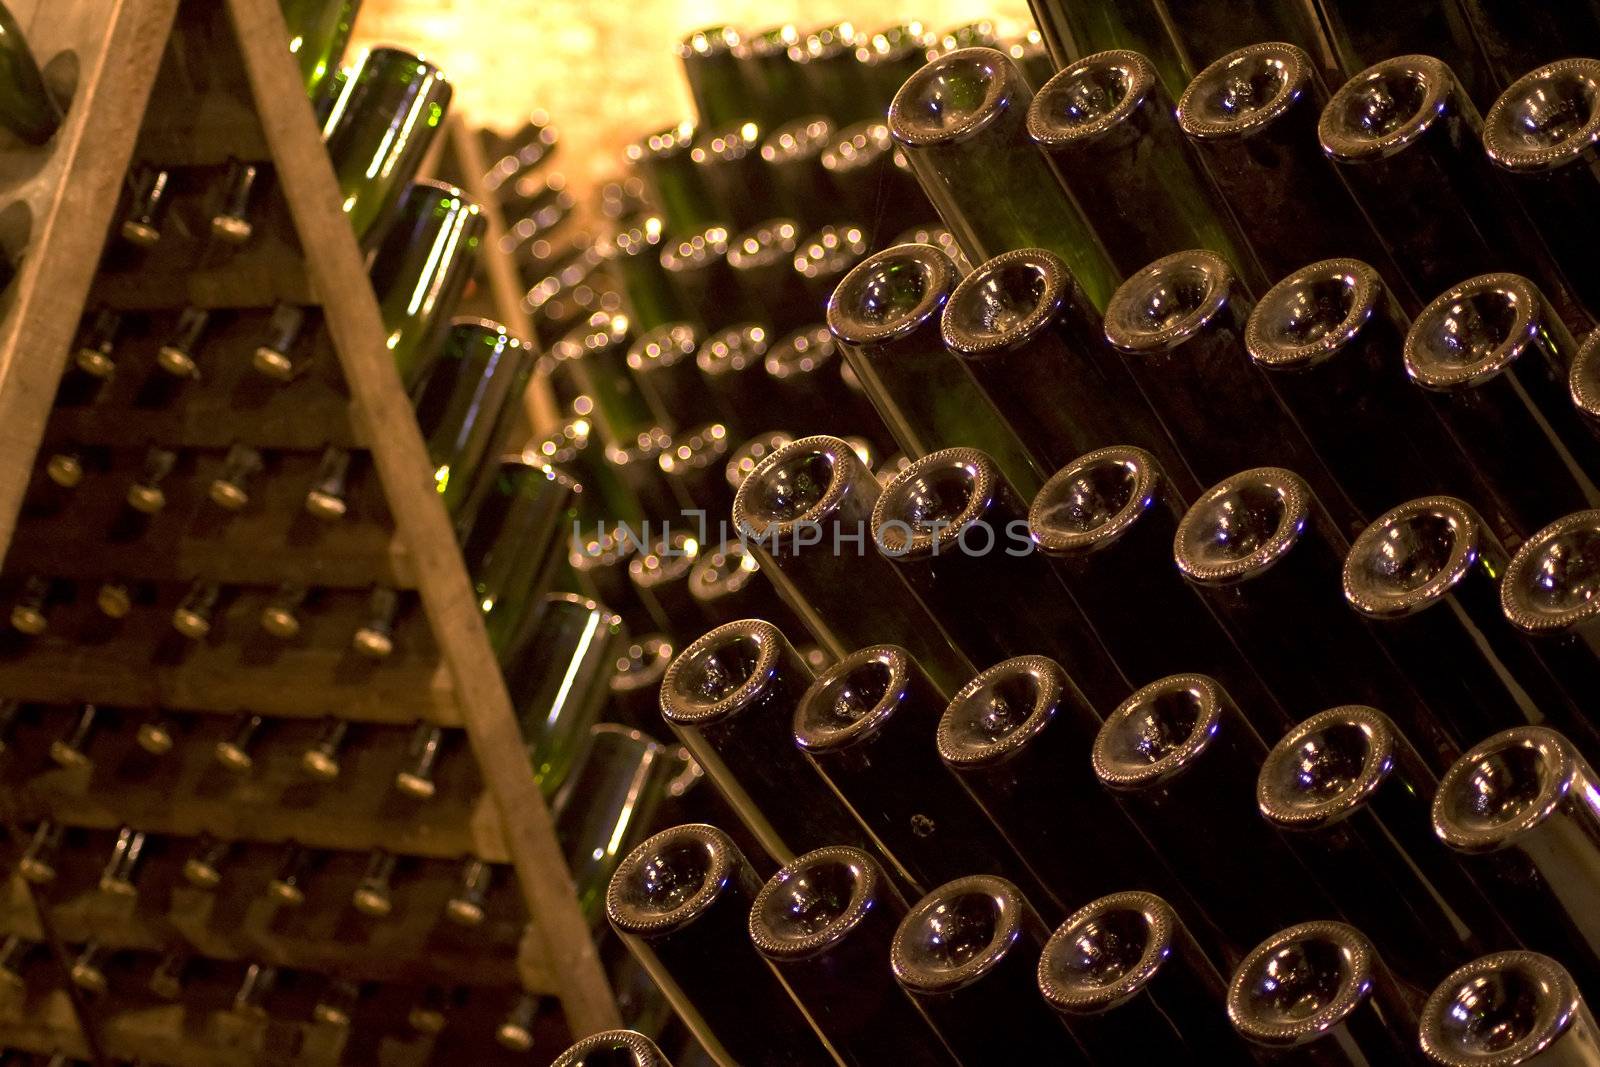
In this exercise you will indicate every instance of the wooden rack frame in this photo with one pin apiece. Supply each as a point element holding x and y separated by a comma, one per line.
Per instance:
<point>120,44</point>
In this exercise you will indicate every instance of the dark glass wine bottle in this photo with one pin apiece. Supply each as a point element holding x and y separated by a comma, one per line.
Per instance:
<point>1494,357</point>
<point>962,121</point>
<point>1327,337</point>
<point>635,685</point>
<point>836,84</point>
<point>677,186</point>
<point>1513,1008</point>
<point>1016,737</point>
<point>1028,335</point>
<point>633,252</point>
<point>681,903</point>
<point>557,673</point>
<point>613,1048</point>
<point>37,864</point>
<point>825,923</point>
<point>695,465</point>
<point>374,638</point>
<point>762,258</point>
<point>421,268</point>
<point>660,579</point>
<point>1183,762</point>
<point>801,186</point>
<point>1427,575</point>
<point>1364,32</point>
<point>662,362</point>
<point>468,904</point>
<point>1516,38</point>
<point>275,354</point>
<point>1407,140</point>
<point>874,179</point>
<point>319,31</point>
<point>1547,592</point>
<point>729,156</point>
<point>864,725</point>
<point>1106,521</point>
<point>593,357</point>
<point>827,255</point>
<point>699,275</point>
<point>887,313</point>
<point>1134,986</point>
<point>1031,56</point>
<point>119,876</point>
<point>805,381</point>
<point>807,512</point>
<point>774,89</point>
<point>1110,131</point>
<point>379,130</point>
<point>636,467</point>
<point>30,606</point>
<point>711,67</point>
<point>957,532</point>
<point>1320,990</point>
<point>146,210</point>
<point>1264,553</point>
<point>234,750</point>
<point>1542,132</point>
<point>1525,805</point>
<point>26,107</point>
<point>730,697</point>
<point>1074,30</point>
<point>966,954</point>
<point>1209,33</point>
<point>515,542</point>
<point>1352,797</point>
<point>727,584</point>
<point>1253,114</point>
<point>748,456</point>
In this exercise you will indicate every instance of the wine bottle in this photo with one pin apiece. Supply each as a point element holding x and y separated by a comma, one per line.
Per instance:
<point>1363,33</point>
<point>592,357</point>
<point>1427,574</point>
<point>178,353</point>
<point>87,970</point>
<point>836,83</point>
<point>1106,522</point>
<point>320,759</point>
<point>1134,986</point>
<point>660,577</point>
<point>1510,1007</point>
<point>807,511</point>
<point>695,467</point>
<point>230,489</point>
<point>699,275</point>
<point>774,89</point>
<point>327,499</point>
<point>30,607</point>
<point>96,351</point>
<point>1209,33</point>
<point>119,876</point>
<point>825,923</point>
<point>37,865</point>
<point>1180,324</point>
<point>599,561</point>
<point>336,1003</point>
<point>805,381</point>
<point>730,698</point>
<point>890,55</point>
<point>792,157</point>
<point>827,255</point>
<point>662,363</point>
<point>635,685</point>
<point>962,121</point>
<point>627,1047</point>
<point>379,130</point>
<point>145,495</point>
<point>886,313</point>
<point>748,456</point>
<point>957,532</point>
<point>415,779</point>
<point>1074,31</point>
<point>203,866</point>
<point>469,403</point>
<point>871,174</point>
<point>608,806</point>
<point>319,32</point>
<point>1540,131</point>
<point>147,206</point>
<point>1031,56</point>
<point>1110,132</point>
<point>233,751</point>
<point>966,954</point>
<point>420,269</point>
<point>70,750</point>
<point>1494,359</point>
<point>197,613</point>
<point>681,903</point>
<point>1253,115</point>
<point>863,725</point>
<point>636,467</point>
<point>729,156</point>
<point>1352,797</point>
<point>374,638</point>
<point>1327,337</point>
<point>1544,593</point>
<point>287,888</point>
<point>1524,805</point>
<point>230,222</point>
<point>1516,40</point>
<point>556,673</point>
<point>762,258</point>
<point>30,111</point>
<point>1183,762</point>
<point>727,584</point>
<point>1407,140</point>
<point>514,543</point>
<point>374,893</point>
<point>677,187</point>
<point>1320,990</point>
<point>1028,335</point>
<point>1265,555</point>
<point>158,734</point>
<point>977,34</point>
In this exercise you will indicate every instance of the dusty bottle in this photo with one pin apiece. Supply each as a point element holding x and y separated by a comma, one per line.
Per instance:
<point>1518,38</point>
<point>1364,32</point>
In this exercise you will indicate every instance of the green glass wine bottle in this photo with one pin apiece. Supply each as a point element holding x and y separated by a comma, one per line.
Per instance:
<point>379,130</point>
<point>962,121</point>
<point>665,161</point>
<point>711,66</point>
<point>1077,29</point>
<point>774,90</point>
<point>26,106</point>
<point>633,252</point>
<point>469,402</point>
<point>420,270</point>
<point>319,31</point>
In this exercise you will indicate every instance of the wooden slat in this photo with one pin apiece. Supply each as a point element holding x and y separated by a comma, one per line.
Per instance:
<point>351,313</point>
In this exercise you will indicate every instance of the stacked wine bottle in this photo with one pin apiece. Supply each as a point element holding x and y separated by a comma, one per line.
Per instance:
<point>1153,621</point>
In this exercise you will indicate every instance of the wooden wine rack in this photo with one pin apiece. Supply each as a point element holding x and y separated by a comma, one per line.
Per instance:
<point>196,83</point>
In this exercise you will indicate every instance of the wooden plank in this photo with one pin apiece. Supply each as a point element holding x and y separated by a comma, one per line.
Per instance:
<point>351,313</point>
